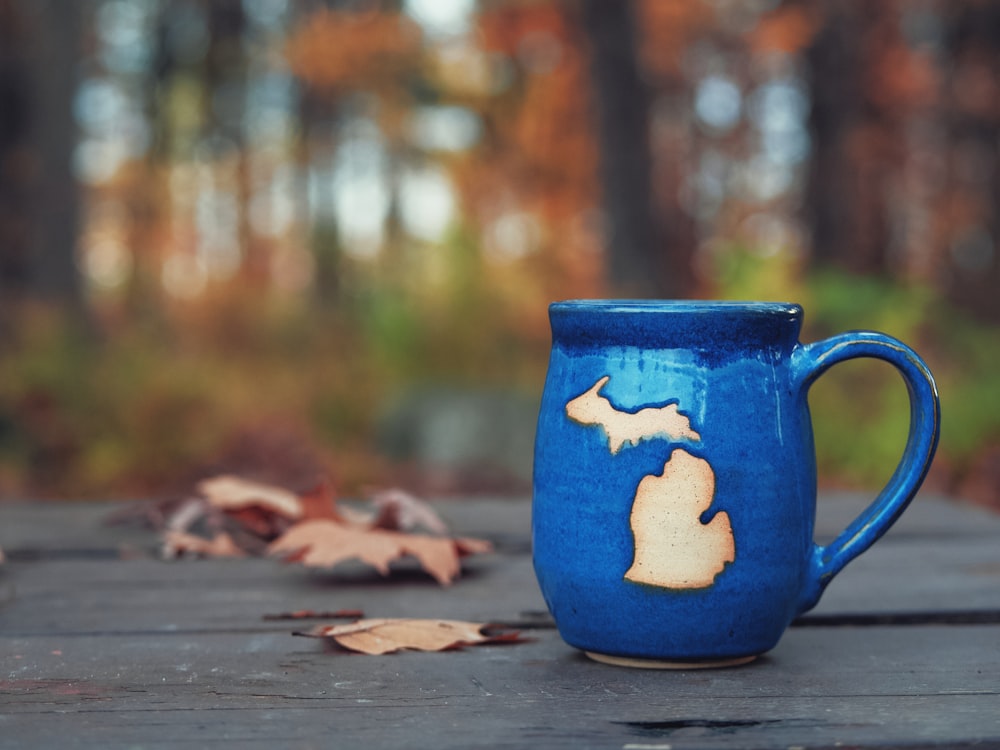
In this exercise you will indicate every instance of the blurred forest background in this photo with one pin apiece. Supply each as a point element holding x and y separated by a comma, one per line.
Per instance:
<point>307,237</point>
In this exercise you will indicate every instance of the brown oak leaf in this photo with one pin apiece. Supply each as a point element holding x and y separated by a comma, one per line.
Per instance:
<point>320,502</point>
<point>386,636</point>
<point>324,543</point>
<point>229,492</point>
<point>401,511</point>
<point>257,513</point>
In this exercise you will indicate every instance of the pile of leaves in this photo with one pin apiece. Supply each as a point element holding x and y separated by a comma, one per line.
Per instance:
<point>231,516</point>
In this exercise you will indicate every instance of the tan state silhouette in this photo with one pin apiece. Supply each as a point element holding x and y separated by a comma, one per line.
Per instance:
<point>621,427</point>
<point>673,548</point>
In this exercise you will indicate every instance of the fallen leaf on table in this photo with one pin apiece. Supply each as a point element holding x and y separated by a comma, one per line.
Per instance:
<point>310,614</point>
<point>320,502</point>
<point>324,543</point>
<point>179,543</point>
<point>186,514</point>
<point>400,511</point>
<point>231,516</point>
<point>386,636</point>
<point>258,513</point>
<point>228,492</point>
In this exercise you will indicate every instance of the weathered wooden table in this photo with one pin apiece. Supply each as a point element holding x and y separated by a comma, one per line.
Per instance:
<point>100,651</point>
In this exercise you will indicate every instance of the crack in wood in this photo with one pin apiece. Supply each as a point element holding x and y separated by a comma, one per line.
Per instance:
<point>533,620</point>
<point>882,619</point>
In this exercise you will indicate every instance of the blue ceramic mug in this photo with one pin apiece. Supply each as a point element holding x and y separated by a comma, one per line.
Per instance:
<point>675,476</point>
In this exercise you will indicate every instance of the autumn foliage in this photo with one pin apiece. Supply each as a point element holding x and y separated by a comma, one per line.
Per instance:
<point>289,215</point>
<point>343,50</point>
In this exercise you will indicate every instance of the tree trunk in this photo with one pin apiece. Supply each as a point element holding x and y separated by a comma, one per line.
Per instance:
<point>972,112</point>
<point>39,199</point>
<point>639,259</point>
<point>855,138</point>
<point>15,152</point>
<point>57,213</point>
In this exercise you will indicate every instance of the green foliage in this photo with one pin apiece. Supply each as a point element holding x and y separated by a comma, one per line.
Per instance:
<point>967,357</point>
<point>745,272</point>
<point>860,408</point>
<point>111,417</point>
<point>135,409</point>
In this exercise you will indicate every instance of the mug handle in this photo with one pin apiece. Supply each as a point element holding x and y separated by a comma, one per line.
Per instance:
<point>809,361</point>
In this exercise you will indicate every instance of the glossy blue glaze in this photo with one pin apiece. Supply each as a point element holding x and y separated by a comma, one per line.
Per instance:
<point>738,374</point>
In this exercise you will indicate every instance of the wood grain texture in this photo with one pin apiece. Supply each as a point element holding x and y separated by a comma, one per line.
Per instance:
<point>820,686</point>
<point>97,652</point>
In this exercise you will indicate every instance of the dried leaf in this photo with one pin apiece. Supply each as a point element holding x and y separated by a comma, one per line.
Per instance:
<point>233,516</point>
<point>229,492</point>
<point>355,516</point>
<point>468,545</point>
<point>324,543</point>
<point>399,510</point>
<point>185,515</point>
<point>178,543</point>
<point>259,523</point>
<point>386,636</point>
<point>320,502</point>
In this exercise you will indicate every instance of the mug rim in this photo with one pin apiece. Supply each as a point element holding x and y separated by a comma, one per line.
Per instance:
<point>645,306</point>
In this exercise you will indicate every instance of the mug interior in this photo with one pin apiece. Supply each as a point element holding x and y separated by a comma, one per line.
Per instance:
<point>640,306</point>
<point>711,326</point>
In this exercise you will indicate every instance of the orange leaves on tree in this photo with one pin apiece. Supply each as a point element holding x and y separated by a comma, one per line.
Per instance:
<point>788,29</point>
<point>387,636</point>
<point>549,134</point>
<point>666,28</point>
<point>348,50</point>
<point>542,154</point>
<point>503,27</point>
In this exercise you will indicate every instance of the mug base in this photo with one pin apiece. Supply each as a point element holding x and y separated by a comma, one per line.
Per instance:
<point>637,663</point>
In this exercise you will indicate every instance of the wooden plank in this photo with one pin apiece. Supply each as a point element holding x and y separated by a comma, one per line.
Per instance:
<point>147,595</point>
<point>65,526</point>
<point>51,596</point>
<point>808,662</point>
<point>859,687</point>
<point>575,723</point>
<point>96,652</point>
<point>79,526</point>
<point>928,516</point>
<point>912,574</point>
<point>903,573</point>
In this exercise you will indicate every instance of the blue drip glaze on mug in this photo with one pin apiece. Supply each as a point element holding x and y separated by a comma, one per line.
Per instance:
<point>739,376</point>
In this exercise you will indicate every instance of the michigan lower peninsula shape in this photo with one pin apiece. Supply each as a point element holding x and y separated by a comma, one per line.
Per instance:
<point>673,548</point>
